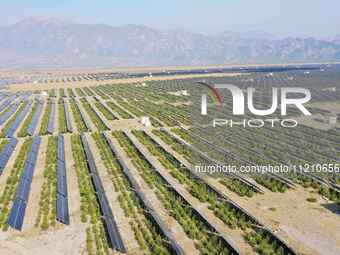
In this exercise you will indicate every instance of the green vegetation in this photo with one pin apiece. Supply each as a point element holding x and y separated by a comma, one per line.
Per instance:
<point>237,187</point>
<point>62,92</point>
<point>108,115</point>
<point>100,125</point>
<point>12,182</point>
<point>78,119</point>
<point>122,113</point>
<point>88,91</point>
<point>230,215</point>
<point>23,130</point>
<point>3,143</point>
<point>70,92</point>
<point>11,120</point>
<point>80,92</point>
<point>99,92</point>
<point>145,230</point>
<point>311,199</point>
<point>271,183</point>
<point>96,240</point>
<point>176,146</point>
<point>45,118</point>
<point>47,205</point>
<point>62,127</point>
<point>192,224</point>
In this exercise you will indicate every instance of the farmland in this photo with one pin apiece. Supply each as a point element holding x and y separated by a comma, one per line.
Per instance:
<point>81,174</point>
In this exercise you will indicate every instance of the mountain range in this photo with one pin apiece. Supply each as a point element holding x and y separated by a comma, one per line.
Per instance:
<point>48,42</point>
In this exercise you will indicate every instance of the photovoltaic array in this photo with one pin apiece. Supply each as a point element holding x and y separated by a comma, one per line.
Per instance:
<point>62,201</point>
<point>10,132</point>
<point>17,213</point>
<point>9,112</point>
<point>109,221</point>
<point>33,125</point>
<point>6,153</point>
<point>68,118</point>
<point>51,121</point>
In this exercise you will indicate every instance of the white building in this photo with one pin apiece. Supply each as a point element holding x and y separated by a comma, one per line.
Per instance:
<point>145,120</point>
<point>184,93</point>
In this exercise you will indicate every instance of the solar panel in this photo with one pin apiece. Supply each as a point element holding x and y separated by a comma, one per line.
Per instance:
<point>62,210</point>
<point>17,213</point>
<point>62,202</point>
<point>50,126</point>
<point>5,104</point>
<point>6,153</point>
<point>68,119</point>
<point>60,151</point>
<point>86,121</point>
<point>61,186</point>
<point>110,224</point>
<point>31,157</point>
<point>97,183</point>
<point>18,120</point>
<point>23,189</point>
<point>28,171</point>
<point>61,167</point>
<point>114,235</point>
<point>98,115</point>
<point>33,125</point>
<point>5,116</point>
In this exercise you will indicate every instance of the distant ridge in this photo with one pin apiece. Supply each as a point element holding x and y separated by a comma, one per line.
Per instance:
<point>49,42</point>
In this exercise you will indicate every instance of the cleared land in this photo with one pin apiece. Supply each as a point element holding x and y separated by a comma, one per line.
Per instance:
<point>127,188</point>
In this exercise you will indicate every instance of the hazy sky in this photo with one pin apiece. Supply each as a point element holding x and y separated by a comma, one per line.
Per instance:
<point>281,17</point>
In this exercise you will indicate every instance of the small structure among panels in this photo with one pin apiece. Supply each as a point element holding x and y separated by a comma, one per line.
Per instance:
<point>6,153</point>
<point>62,202</point>
<point>17,213</point>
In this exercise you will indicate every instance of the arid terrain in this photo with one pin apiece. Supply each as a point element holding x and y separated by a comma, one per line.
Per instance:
<point>104,162</point>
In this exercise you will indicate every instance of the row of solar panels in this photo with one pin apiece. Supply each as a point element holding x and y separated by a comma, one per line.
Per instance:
<point>4,104</point>
<point>99,99</point>
<point>51,121</point>
<point>114,237</point>
<point>250,217</point>
<point>33,125</point>
<point>26,95</point>
<point>195,209</point>
<point>6,115</point>
<point>68,118</point>
<point>10,132</point>
<point>86,121</point>
<point>6,153</point>
<point>176,248</point>
<point>17,213</point>
<point>62,201</point>
<point>98,115</point>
